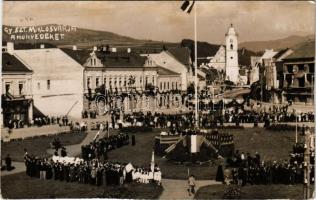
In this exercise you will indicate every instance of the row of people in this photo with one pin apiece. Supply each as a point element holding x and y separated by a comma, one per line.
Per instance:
<point>92,172</point>
<point>250,169</point>
<point>37,121</point>
<point>98,148</point>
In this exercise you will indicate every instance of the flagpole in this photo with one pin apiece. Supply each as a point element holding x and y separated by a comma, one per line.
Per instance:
<point>195,69</point>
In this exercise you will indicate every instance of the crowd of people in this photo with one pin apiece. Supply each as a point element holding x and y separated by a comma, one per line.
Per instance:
<point>38,121</point>
<point>185,120</point>
<point>247,169</point>
<point>99,148</point>
<point>94,172</point>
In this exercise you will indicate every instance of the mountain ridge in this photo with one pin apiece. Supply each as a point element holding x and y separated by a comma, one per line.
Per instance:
<point>277,44</point>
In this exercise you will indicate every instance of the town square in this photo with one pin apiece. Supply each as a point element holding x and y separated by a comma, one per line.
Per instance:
<point>158,100</point>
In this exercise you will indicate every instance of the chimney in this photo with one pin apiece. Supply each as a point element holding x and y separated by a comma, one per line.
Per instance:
<point>10,47</point>
<point>129,50</point>
<point>74,47</point>
<point>113,49</point>
<point>42,46</point>
<point>95,48</point>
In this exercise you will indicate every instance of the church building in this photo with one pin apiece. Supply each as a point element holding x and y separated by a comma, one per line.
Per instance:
<point>225,57</point>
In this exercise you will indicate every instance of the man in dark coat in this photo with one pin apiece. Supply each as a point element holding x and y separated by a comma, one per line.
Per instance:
<point>220,174</point>
<point>8,163</point>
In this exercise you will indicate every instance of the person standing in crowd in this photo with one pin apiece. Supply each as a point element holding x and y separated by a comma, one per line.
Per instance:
<point>191,183</point>
<point>220,174</point>
<point>8,163</point>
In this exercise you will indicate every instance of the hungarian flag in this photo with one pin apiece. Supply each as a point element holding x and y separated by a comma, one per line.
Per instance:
<point>187,6</point>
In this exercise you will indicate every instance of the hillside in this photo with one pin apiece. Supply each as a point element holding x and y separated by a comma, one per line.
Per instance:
<point>289,42</point>
<point>80,37</point>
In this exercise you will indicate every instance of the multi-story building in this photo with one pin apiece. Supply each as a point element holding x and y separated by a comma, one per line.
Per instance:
<point>56,83</point>
<point>128,73</point>
<point>298,75</point>
<point>17,97</point>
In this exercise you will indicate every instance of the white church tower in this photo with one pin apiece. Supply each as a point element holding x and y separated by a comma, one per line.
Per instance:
<point>232,68</point>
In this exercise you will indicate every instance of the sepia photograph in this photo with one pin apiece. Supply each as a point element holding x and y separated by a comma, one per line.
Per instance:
<point>158,100</point>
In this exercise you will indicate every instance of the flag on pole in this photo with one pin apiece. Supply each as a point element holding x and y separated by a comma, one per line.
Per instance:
<point>187,6</point>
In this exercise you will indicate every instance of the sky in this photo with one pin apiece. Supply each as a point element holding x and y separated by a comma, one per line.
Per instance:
<point>165,21</point>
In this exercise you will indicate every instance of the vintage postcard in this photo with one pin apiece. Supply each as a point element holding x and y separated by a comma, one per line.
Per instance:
<point>158,99</point>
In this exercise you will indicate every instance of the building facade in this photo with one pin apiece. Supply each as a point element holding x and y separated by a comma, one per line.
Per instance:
<point>57,81</point>
<point>130,81</point>
<point>298,75</point>
<point>17,98</point>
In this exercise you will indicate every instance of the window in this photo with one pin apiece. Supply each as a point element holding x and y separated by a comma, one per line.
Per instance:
<point>176,85</point>
<point>48,84</point>
<point>153,81</point>
<point>97,81</point>
<point>21,88</point>
<point>95,62</point>
<point>231,46</point>
<point>168,85</point>
<point>91,62</point>
<point>172,85</point>
<point>146,80</point>
<point>164,85</point>
<point>161,85</point>
<point>7,87</point>
<point>104,81</point>
<point>88,82</point>
<point>38,85</point>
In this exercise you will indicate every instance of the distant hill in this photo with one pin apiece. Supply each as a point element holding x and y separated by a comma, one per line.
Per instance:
<point>81,37</point>
<point>288,42</point>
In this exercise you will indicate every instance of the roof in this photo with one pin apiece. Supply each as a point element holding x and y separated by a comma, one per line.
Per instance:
<point>204,49</point>
<point>49,62</point>
<point>108,59</point>
<point>231,30</point>
<point>164,71</point>
<point>80,56</point>
<point>121,59</point>
<point>11,64</point>
<point>182,54</point>
<point>268,54</point>
<point>306,50</point>
<point>280,53</point>
<point>244,57</point>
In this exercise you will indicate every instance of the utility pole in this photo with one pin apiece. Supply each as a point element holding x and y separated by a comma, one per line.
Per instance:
<point>307,164</point>
<point>196,73</point>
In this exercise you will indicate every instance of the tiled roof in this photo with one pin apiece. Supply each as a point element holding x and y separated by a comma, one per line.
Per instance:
<point>11,64</point>
<point>306,50</point>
